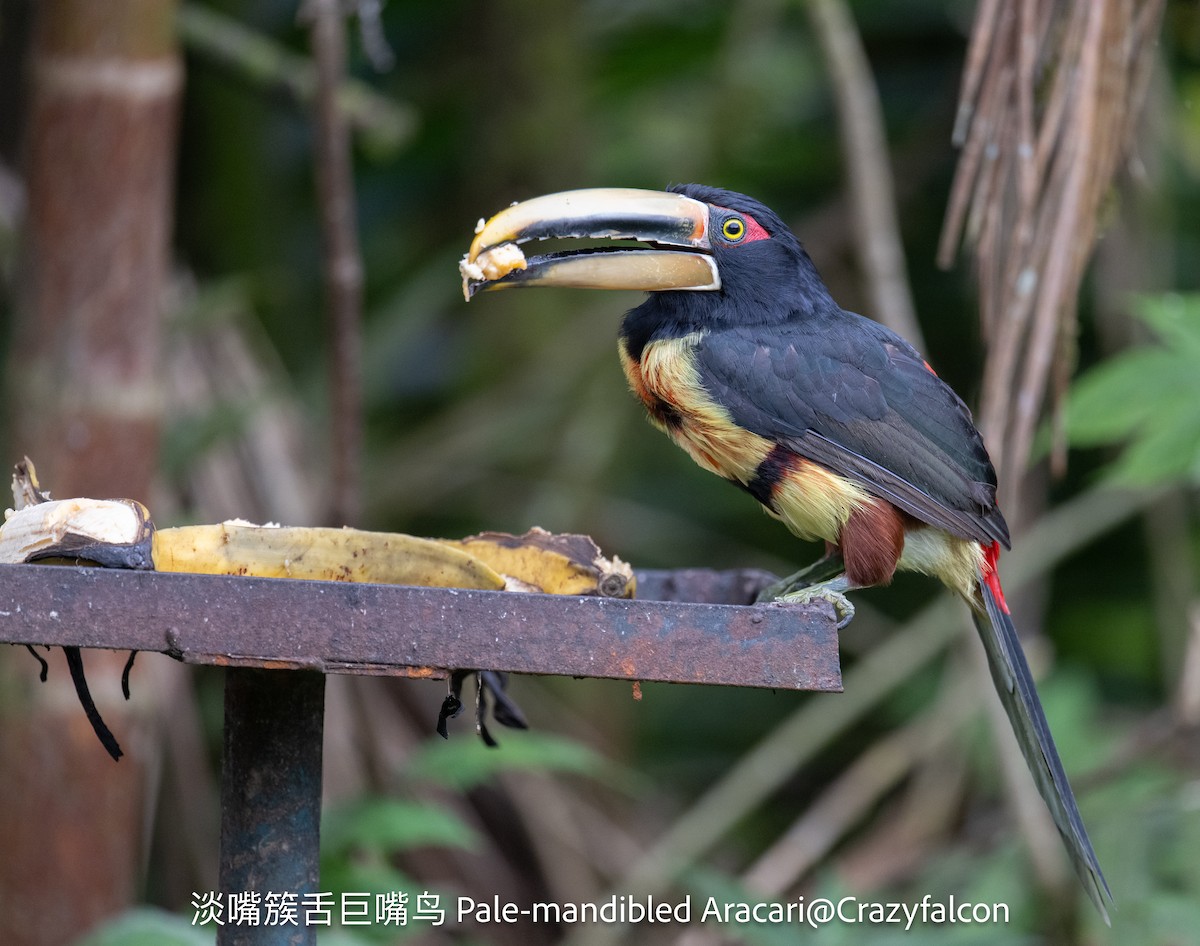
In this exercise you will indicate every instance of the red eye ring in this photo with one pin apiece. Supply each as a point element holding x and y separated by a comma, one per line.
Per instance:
<point>739,228</point>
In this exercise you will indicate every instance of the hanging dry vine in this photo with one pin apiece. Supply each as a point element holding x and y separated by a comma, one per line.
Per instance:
<point>1050,100</point>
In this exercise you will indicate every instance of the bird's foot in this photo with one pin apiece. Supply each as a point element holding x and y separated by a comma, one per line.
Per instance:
<point>831,591</point>
<point>822,570</point>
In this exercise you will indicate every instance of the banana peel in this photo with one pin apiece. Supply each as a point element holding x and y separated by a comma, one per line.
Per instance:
<point>40,533</point>
<point>114,533</point>
<point>25,487</point>
<point>549,563</point>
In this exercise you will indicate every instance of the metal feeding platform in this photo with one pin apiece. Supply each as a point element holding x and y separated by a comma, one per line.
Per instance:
<point>278,638</point>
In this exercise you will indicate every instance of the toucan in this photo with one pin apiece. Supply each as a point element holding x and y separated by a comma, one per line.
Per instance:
<point>832,422</point>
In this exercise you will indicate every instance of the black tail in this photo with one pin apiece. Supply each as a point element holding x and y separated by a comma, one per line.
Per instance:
<point>1014,684</point>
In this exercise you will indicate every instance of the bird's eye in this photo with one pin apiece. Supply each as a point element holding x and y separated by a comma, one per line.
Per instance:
<point>734,229</point>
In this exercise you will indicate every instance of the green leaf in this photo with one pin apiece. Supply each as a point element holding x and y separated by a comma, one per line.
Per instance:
<point>385,825</point>
<point>148,927</point>
<point>1148,398</point>
<point>1167,449</point>
<point>1115,399</point>
<point>367,875</point>
<point>463,764</point>
<point>1173,317</point>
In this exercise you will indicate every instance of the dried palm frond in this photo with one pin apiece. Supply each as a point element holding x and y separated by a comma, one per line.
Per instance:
<point>1048,109</point>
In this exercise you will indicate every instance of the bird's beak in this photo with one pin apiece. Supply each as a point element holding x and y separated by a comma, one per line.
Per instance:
<point>674,226</point>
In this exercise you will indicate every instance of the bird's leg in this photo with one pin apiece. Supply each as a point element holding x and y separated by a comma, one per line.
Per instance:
<point>823,569</point>
<point>831,591</point>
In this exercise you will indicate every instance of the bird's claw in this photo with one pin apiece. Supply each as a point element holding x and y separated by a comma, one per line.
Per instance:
<point>841,604</point>
<point>825,569</point>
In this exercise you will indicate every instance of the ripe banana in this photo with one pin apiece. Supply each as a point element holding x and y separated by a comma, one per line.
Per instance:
<point>119,533</point>
<point>239,548</point>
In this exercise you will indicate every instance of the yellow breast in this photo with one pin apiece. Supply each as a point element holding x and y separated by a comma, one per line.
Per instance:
<point>811,501</point>
<point>669,386</point>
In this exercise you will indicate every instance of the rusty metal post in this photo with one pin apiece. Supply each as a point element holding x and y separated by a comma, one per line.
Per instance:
<point>271,799</point>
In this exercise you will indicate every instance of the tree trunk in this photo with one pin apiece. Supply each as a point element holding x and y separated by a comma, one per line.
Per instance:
<point>84,404</point>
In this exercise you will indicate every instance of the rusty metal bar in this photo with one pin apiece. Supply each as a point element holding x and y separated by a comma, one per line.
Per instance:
<point>271,799</point>
<point>362,628</point>
<point>703,585</point>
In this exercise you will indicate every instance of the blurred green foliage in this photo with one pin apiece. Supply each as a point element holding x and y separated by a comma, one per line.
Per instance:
<point>463,764</point>
<point>363,840</point>
<point>511,412</point>
<point>1147,398</point>
<point>148,927</point>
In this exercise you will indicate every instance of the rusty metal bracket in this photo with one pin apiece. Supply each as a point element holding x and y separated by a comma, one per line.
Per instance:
<point>344,627</point>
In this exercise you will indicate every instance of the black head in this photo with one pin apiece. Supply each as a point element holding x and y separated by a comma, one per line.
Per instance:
<point>766,275</point>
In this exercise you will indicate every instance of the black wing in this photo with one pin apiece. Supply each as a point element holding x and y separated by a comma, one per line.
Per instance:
<point>847,393</point>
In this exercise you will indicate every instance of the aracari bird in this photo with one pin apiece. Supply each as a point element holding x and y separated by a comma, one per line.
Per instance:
<point>835,424</point>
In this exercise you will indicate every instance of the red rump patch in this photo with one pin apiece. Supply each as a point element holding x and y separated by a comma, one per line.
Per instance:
<point>929,368</point>
<point>991,559</point>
